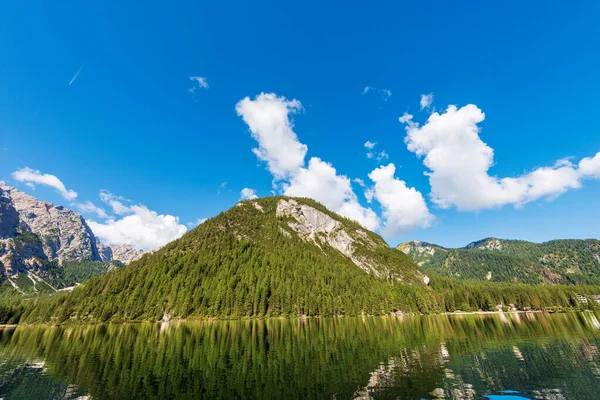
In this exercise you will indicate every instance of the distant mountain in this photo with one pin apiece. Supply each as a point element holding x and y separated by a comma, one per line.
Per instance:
<point>265,257</point>
<point>40,243</point>
<point>124,253</point>
<point>567,261</point>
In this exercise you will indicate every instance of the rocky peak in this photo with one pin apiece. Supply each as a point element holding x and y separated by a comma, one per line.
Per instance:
<point>319,228</point>
<point>486,244</point>
<point>418,247</point>
<point>33,232</point>
<point>63,234</point>
<point>124,253</point>
<point>322,229</point>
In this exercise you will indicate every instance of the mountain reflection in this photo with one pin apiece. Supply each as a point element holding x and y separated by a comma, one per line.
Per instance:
<point>460,356</point>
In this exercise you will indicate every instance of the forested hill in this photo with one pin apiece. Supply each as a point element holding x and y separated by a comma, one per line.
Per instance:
<point>555,262</point>
<point>265,257</point>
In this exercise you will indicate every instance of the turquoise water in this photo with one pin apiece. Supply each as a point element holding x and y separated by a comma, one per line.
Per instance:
<point>511,356</point>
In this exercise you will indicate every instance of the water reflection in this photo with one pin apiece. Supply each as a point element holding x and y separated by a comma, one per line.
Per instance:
<point>463,356</point>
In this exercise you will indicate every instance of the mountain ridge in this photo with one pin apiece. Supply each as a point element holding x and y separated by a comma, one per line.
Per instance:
<point>38,238</point>
<point>559,261</point>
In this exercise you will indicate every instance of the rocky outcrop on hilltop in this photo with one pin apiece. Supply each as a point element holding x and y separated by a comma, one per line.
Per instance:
<point>421,252</point>
<point>320,228</point>
<point>124,253</point>
<point>486,244</point>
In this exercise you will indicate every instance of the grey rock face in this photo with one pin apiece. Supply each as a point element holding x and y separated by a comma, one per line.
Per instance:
<point>9,218</point>
<point>418,247</point>
<point>314,225</point>
<point>321,229</point>
<point>64,234</point>
<point>33,232</point>
<point>124,253</point>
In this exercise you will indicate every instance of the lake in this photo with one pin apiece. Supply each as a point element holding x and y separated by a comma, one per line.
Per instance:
<point>494,356</point>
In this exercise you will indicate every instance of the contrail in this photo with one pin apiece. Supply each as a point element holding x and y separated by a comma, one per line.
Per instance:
<point>76,75</point>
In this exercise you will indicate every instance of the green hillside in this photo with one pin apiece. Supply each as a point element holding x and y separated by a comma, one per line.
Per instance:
<point>254,261</point>
<point>277,257</point>
<point>498,260</point>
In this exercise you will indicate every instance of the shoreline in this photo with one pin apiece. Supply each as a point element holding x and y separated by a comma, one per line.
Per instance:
<point>299,318</point>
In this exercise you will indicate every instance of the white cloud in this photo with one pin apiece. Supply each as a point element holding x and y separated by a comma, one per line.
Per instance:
<point>248,194</point>
<point>321,182</point>
<point>115,202</point>
<point>222,186</point>
<point>370,146</point>
<point>268,118</point>
<point>32,177</point>
<point>89,207</point>
<point>382,155</point>
<point>140,227</point>
<point>405,118</point>
<point>403,208</point>
<point>385,93</point>
<point>199,221</point>
<point>589,167</point>
<point>201,81</point>
<point>426,100</point>
<point>458,161</point>
<point>360,182</point>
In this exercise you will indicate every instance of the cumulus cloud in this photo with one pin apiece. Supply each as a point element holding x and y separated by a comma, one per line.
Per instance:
<point>382,155</point>
<point>89,207</point>
<point>426,100</point>
<point>379,156</point>
<point>115,202</point>
<point>33,177</point>
<point>403,208</point>
<point>370,145</point>
<point>589,167</point>
<point>137,225</point>
<point>268,119</point>
<point>320,181</point>
<point>201,83</point>
<point>248,194</point>
<point>458,162</point>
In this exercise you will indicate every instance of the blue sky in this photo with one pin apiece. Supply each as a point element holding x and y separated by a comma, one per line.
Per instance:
<point>129,124</point>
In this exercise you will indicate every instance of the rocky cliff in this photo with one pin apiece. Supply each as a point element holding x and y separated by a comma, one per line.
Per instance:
<point>320,228</point>
<point>33,230</point>
<point>35,235</point>
<point>124,253</point>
